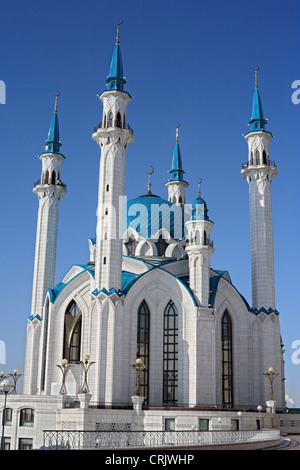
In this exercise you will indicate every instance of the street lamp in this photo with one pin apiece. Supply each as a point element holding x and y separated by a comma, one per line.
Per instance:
<point>86,365</point>
<point>271,376</point>
<point>139,367</point>
<point>6,386</point>
<point>64,367</point>
<point>15,376</point>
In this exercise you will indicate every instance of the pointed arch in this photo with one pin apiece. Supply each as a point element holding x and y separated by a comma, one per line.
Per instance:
<point>170,354</point>
<point>118,120</point>
<point>72,333</point>
<point>110,119</point>
<point>142,345</point>
<point>46,177</point>
<point>227,379</point>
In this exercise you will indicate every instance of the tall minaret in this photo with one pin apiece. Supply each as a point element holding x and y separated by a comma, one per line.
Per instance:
<point>176,184</point>
<point>113,137</point>
<point>199,250</point>
<point>259,171</point>
<point>49,191</point>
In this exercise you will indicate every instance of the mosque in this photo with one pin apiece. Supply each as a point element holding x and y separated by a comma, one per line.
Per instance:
<point>147,335</point>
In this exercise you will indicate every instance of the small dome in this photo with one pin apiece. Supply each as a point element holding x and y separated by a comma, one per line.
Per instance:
<point>199,209</point>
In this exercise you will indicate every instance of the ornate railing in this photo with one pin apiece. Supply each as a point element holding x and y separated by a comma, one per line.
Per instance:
<point>269,163</point>
<point>115,124</point>
<point>150,439</point>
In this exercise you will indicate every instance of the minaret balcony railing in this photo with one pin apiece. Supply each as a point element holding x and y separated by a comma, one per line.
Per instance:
<point>204,242</point>
<point>269,163</point>
<point>115,124</point>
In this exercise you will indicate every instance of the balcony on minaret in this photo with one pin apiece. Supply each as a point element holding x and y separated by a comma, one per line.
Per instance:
<point>268,162</point>
<point>116,123</point>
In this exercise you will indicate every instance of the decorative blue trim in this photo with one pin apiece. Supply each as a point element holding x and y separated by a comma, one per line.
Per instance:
<point>32,317</point>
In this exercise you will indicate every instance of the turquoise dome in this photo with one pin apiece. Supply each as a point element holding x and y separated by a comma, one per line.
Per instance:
<point>148,213</point>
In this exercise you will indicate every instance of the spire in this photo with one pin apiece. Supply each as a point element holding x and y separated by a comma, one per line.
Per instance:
<point>257,119</point>
<point>115,80</point>
<point>177,170</point>
<point>53,143</point>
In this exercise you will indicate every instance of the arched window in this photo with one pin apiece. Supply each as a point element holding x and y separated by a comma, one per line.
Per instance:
<point>27,417</point>
<point>170,354</point>
<point>104,124</point>
<point>143,342</point>
<point>264,158</point>
<point>119,121</point>
<point>227,381</point>
<point>131,246</point>
<point>205,238</point>
<point>124,122</point>
<point>72,333</point>
<point>47,177</point>
<point>53,177</point>
<point>257,157</point>
<point>110,119</point>
<point>161,246</point>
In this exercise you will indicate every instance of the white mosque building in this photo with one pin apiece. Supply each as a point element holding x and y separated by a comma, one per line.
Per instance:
<point>149,293</point>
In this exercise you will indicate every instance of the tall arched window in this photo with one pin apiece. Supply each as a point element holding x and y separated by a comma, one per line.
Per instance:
<point>72,333</point>
<point>46,177</point>
<point>53,177</point>
<point>119,121</point>
<point>170,354</point>
<point>257,162</point>
<point>227,381</point>
<point>110,119</point>
<point>264,158</point>
<point>142,348</point>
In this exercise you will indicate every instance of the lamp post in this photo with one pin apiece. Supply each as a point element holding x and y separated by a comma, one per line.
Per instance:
<point>64,367</point>
<point>6,386</point>
<point>259,409</point>
<point>271,376</point>
<point>86,365</point>
<point>15,376</point>
<point>139,367</point>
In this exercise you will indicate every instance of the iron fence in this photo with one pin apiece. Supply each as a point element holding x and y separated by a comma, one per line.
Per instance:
<point>84,440</point>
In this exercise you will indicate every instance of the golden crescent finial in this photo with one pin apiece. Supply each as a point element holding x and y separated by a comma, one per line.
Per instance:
<point>256,81</point>
<point>149,180</point>
<point>118,32</point>
<point>199,184</point>
<point>177,133</point>
<point>56,97</point>
<point>151,173</point>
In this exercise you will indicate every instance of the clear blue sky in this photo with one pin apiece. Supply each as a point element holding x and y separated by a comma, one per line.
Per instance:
<point>187,61</point>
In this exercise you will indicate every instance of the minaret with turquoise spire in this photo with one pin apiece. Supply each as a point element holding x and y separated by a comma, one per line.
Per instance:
<point>113,136</point>
<point>259,172</point>
<point>49,190</point>
<point>199,249</point>
<point>177,184</point>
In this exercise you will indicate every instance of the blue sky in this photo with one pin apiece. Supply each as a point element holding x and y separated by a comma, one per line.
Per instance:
<point>188,61</point>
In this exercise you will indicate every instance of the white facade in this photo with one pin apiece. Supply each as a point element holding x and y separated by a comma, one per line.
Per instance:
<point>150,294</point>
